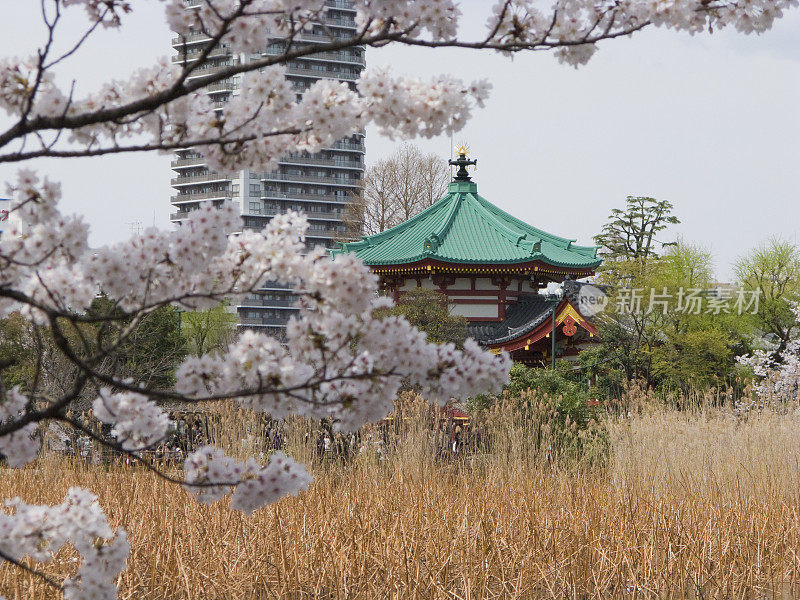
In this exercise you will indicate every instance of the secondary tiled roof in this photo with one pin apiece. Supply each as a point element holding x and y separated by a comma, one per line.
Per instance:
<point>521,317</point>
<point>463,227</point>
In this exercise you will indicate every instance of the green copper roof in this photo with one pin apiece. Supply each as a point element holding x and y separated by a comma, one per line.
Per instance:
<point>462,227</point>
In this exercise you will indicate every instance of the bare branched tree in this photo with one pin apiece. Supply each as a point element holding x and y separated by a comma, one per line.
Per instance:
<point>395,189</point>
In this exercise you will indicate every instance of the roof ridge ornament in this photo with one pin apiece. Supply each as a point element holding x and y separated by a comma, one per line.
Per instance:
<point>462,162</point>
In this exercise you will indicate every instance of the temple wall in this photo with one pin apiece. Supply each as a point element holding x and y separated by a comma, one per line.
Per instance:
<point>484,283</point>
<point>427,284</point>
<point>411,284</point>
<point>466,296</point>
<point>474,310</point>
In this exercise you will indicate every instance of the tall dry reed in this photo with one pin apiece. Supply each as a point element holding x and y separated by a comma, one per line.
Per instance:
<point>699,504</point>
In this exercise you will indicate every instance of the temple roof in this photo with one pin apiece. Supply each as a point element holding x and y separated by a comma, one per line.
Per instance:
<point>521,318</point>
<point>465,228</point>
<point>527,315</point>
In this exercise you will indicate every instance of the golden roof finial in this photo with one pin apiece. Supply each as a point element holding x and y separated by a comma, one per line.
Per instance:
<point>462,162</point>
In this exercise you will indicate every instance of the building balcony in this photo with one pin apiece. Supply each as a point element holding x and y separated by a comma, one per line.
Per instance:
<point>349,146</point>
<point>198,161</point>
<point>324,232</point>
<point>337,57</point>
<point>308,36</point>
<point>272,195</point>
<point>220,195</point>
<point>347,22</point>
<point>321,74</point>
<point>274,321</point>
<point>287,302</point>
<point>207,71</point>
<point>221,86</point>
<point>310,179</point>
<point>205,178</point>
<point>190,38</point>
<point>323,215</point>
<point>192,56</point>
<point>324,162</point>
<point>340,4</point>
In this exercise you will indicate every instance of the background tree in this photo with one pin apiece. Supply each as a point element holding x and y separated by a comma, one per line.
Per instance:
<point>657,338</point>
<point>395,189</point>
<point>630,233</point>
<point>628,243</point>
<point>208,331</point>
<point>428,311</point>
<point>152,349</point>
<point>773,271</point>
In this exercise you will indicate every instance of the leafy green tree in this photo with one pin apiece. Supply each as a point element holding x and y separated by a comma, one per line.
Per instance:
<point>146,351</point>
<point>208,330</point>
<point>17,350</point>
<point>773,271</point>
<point>660,339</point>
<point>428,311</point>
<point>630,233</point>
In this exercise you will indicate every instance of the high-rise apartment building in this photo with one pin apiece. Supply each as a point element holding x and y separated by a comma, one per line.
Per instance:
<point>320,185</point>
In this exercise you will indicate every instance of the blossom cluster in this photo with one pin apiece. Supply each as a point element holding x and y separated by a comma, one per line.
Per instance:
<point>778,373</point>
<point>106,12</point>
<point>409,107</point>
<point>21,446</point>
<point>39,531</point>
<point>573,26</point>
<point>137,422</point>
<point>209,473</point>
<point>438,18</point>
<point>338,361</point>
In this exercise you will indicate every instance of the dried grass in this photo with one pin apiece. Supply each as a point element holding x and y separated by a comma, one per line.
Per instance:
<point>690,504</point>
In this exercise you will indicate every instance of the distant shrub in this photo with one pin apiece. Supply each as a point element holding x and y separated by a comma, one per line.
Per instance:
<point>548,413</point>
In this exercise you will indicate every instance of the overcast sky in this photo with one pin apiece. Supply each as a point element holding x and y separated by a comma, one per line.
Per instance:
<point>710,123</point>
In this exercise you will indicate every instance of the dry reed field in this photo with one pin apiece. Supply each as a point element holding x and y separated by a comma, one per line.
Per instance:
<point>698,504</point>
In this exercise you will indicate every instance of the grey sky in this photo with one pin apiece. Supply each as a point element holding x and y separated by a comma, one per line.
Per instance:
<point>710,123</point>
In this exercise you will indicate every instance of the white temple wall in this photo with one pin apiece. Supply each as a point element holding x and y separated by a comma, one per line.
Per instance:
<point>428,284</point>
<point>484,283</point>
<point>468,297</point>
<point>474,310</point>
<point>408,284</point>
<point>411,284</point>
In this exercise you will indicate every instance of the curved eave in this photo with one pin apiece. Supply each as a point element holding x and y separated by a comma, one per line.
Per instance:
<point>526,266</point>
<point>541,328</point>
<point>587,252</point>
